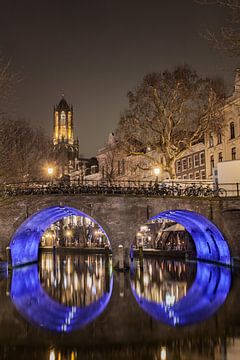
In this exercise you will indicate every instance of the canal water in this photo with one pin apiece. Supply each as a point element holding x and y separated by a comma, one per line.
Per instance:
<point>72,306</point>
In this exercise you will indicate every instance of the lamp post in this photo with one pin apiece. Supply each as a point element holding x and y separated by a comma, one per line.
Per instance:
<point>156,172</point>
<point>50,173</point>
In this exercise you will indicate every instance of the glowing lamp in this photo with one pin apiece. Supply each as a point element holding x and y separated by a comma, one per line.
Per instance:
<point>50,171</point>
<point>156,171</point>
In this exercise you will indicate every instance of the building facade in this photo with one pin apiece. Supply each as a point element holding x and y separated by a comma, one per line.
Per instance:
<point>225,145</point>
<point>196,164</point>
<point>192,165</point>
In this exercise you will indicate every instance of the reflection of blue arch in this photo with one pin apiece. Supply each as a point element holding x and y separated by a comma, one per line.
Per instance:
<point>210,243</point>
<point>40,309</point>
<point>206,295</point>
<point>25,242</point>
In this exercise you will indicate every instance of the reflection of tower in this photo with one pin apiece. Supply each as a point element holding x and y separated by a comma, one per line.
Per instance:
<point>66,149</point>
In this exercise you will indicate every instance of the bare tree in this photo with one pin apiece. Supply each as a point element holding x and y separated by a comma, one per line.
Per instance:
<point>8,81</point>
<point>228,36</point>
<point>168,113</point>
<point>109,160</point>
<point>23,151</point>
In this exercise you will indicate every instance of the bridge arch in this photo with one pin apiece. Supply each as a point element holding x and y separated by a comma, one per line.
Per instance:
<point>24,244</point>
<point>209,241</point>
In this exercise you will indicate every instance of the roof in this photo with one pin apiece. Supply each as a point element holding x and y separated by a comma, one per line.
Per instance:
<point>176,227</point>
<point>63,105</point>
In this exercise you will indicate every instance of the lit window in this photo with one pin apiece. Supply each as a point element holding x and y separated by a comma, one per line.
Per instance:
<point>232,130</point>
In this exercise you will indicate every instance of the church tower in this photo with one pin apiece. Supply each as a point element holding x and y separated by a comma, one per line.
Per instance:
<point>65,148</point>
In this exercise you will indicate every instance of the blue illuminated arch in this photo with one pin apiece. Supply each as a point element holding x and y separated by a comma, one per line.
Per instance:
<point>210,243</point>
<point>36,306</point>
<point>25,242</point>
<point>208,292</point>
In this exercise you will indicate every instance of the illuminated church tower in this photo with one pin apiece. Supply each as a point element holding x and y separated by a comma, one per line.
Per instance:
<point>66,149</point>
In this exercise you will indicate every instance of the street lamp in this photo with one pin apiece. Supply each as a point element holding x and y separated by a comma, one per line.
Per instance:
<point>156,172</point>
<point>50,172</point>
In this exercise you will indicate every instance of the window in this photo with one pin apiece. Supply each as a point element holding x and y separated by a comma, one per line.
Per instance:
<point>119,167</point>
<point>202,158</point>
<point>93,169</point>
<point>184,164</point>
<point>185,177</point>
<point>211,164</point>
<point>234,153</point>
<point>179,166</point>
<point>197,175</point>
<point>220,157</point>
<point>219,138</point>
<point>191,176</point>
<point>103,171</point>
<point>203,174</point>
<point>196,160</point>
<point>232,130</point>
<point>211,142</point>
<point>123,166</point>
<point>189,162</point>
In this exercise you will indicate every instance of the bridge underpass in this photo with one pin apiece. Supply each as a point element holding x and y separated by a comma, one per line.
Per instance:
<point>120,218</point>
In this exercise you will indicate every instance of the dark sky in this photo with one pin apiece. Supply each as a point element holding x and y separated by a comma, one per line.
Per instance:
<point>97,50</point>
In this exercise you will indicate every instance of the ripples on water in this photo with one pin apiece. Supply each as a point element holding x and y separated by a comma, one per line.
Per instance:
<point>73,306</point>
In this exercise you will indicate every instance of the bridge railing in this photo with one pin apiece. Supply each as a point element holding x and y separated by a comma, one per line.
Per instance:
<point>123,187</point>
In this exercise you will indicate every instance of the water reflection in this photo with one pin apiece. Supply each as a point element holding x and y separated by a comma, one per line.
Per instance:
<point>167,292</point>
<point>66,293</point>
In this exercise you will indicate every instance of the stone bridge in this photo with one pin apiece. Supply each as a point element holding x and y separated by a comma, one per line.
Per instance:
<point>121,216</point>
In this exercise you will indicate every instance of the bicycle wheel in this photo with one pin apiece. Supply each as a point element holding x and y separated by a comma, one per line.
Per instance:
<point>221,192</point>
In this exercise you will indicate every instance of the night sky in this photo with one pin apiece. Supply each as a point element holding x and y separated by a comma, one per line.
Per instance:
<point>98,50</point>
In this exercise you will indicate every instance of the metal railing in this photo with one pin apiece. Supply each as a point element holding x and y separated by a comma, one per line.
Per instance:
<point>123,187</point>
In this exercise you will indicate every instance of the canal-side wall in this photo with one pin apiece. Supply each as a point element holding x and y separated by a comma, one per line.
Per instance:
<point>121,216</point>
